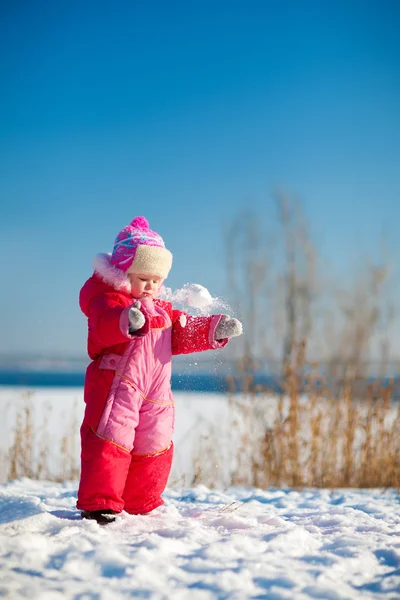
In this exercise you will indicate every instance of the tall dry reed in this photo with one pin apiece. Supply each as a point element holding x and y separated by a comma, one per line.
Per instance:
<point>314,432</point>
<point>37,454</point>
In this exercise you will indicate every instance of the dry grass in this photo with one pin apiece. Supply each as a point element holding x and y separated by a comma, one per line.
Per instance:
<point>31,453</point>
<point>313,434</point>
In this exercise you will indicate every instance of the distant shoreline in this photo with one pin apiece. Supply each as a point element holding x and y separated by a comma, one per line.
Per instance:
<point>197,382</point>
<point>185,382</point>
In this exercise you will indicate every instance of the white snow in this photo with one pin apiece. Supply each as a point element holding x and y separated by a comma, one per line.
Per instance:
<point>195,299</point>
<point>199,296</point>
<point>202,544</point>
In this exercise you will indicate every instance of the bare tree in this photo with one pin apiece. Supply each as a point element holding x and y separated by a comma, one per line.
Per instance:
<point>299,273</point>
<point>364,314</point>
<point>249,251</point>
<point>277,284</point>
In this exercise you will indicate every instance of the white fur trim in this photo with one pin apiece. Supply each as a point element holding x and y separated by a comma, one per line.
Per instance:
<point>110,274</point>
<point>151,260</point>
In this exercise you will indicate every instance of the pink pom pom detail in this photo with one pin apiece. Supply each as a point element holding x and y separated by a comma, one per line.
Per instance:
<point>140,223</point>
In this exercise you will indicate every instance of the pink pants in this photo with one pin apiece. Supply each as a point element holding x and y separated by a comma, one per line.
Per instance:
<point>113,478</point>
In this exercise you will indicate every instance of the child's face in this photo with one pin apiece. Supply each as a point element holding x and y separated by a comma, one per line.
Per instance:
<point>144,285</point>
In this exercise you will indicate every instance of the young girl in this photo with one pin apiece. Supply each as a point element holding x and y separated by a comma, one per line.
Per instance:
<point>126,447</point>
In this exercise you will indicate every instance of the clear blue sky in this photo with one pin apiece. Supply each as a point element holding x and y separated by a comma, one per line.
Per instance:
<point>185,112</point>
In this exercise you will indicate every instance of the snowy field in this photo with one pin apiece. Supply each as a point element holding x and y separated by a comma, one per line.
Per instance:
<point>202,544</point>
<point>56,413</point>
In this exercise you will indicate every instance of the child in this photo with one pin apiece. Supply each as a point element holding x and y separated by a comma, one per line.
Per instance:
<point>126,447</point>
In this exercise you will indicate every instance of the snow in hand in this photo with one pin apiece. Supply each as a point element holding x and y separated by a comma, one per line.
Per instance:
<point>199,296</point>
<point>194,298</point>
<point>202,544</point>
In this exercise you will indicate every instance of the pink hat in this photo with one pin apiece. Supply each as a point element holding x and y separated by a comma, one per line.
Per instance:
<point>139,249</point>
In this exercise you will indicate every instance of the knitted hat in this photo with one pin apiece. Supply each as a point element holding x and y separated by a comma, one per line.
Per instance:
<point>138,249</point>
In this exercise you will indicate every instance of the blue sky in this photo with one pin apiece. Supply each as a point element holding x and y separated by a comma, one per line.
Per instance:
<point>185,112</point>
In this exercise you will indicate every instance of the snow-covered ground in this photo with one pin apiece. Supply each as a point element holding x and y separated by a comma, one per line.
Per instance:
<point>202,544</point>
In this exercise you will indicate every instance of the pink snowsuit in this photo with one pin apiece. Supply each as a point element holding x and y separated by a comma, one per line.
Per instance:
<point>126,434</point>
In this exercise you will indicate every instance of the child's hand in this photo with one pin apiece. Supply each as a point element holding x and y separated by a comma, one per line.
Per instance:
<point>136,317</point>
<point>228,327</point>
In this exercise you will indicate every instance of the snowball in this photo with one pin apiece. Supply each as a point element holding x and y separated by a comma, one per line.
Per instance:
<point>198,296</point>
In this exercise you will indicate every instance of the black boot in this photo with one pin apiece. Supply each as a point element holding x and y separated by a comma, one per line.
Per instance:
<point>103,517</point>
